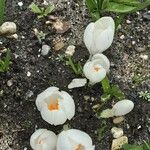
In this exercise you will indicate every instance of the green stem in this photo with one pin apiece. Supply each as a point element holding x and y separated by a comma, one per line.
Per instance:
<point>70,62</point>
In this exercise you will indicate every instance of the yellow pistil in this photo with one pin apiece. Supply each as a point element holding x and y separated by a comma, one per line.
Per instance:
<point>53,106</point>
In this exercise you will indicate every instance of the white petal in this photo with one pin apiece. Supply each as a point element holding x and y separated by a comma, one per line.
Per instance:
<point>103,40</point>
<point>44,95</point>
<point>55,117</point>
<point>91,74</point>
<point>123,107</point>
<point>80,137</point>
<point>88,37</point>
<point>70,139</point>
<point>104,23</point>
<point>34,137</point>
<point>67,105</point>
<point>77,83</point>
<point>102,60</point>
<point>104,29</point>
<point>48,139</point>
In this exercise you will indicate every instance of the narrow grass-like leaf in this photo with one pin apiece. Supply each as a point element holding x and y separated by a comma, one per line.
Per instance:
<point>2,11</point>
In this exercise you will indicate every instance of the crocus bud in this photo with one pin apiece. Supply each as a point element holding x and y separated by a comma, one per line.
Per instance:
<point>122,107</point>
<point>98,36</point>
<point>43,139</point>
<point>55,106</point>
<point>96,68</point>
<point>74,139</point>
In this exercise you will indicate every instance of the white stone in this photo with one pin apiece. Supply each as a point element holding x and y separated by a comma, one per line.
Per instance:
<point>128,21</point>
<point>8,28</point>
<point>70,50</point>
<point>145,57</point>
<point>77,83</point>
<point>28,74</point>
<point>45,50</point>
<point>117,132</point>
<point>133,42</point>
<point>20,4</point>
<point>122,37</point>
<point>9,83</point>
<point>122,107</point>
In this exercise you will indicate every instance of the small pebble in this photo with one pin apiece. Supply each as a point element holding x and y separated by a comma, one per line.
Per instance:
<point>145,57</point>
<point>141,49</point>
<point>28,74</point>
<point>118,143</point>
<point>9,83</point>
<point>128,21</point>
<point>146,16</point>
<point>117,132</point>
<point>58,46</point>
<point>45,50</point>
<point>20,4</point>
<point>122,37</point>
<point>118,120</point>
<point>133,42</point>
<point>70,50</point>
<point>8,28</point>
<point>86,97</point>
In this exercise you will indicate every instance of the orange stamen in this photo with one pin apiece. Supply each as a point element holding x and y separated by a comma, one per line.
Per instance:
<point>53,106</point>
<point>80,147</point>
<point>97,68</point>
<point>41,142</point>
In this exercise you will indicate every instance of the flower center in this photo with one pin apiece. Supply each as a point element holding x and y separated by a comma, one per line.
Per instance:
<point>53,105</point>
<point>96,68</point>
<point>80,147</point>
<point>41,141</point>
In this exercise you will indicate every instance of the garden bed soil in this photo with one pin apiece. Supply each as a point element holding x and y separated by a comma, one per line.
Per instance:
<point>19,116</point>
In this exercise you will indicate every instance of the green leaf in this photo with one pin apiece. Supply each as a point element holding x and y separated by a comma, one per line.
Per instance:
<point>106,85</point>
<point>2,10</point>
<point>105,97</point>
<point>117,93</point>
<point>35,9</point>
<point>132,147</point>
<point>119,19</point>
<point>119,8</point>
<point>91,4</point>
<point>5,62</point>
<point>105,4</point>
<point>49,9</point>
<point>127,2</point>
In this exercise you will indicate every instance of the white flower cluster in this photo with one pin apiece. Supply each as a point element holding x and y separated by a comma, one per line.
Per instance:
<point>98,37</point>
<point>72,139</point>
<point>57,106</point>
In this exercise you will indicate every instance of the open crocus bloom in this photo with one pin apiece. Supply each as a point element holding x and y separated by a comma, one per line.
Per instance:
<point>55,106</point>
<point>98,36</point>
<point>74,139</point>
<point>96,68</point>
<point>42,139</point>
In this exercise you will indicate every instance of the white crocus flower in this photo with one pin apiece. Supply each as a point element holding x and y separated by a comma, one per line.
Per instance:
<point>98,36</point>
<point>55,106</point>
<point>43,139</point>
<point>122,107</point>
<point>74,139</point>
<point>96,68</point>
